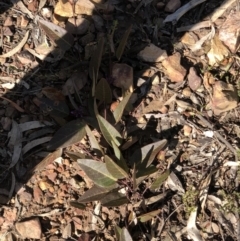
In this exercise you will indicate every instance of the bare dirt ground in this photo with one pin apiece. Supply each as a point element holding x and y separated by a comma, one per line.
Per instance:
<point>119,120</point>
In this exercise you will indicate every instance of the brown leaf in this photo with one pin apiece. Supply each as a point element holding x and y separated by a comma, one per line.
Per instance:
<point>53,94</point>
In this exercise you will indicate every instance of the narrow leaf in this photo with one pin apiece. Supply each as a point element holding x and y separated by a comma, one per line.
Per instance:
<point>77,155</point>
<point>120,108</point>
<point>147,153</point>
<point>114,199</point>
<point>109,132</point>
<point>143,172</point>
<point>120,160</point>
<point>58,35</point>
<point>67,135</point>
<point>97,172</point>
<point>114,169</point>
<point>94,194</point>
<point>17,48</point>
<point>123,43</point>
<point>125,235</point>
<point>148,216</point>
<point>96,60</point>
<point>160,180</point>
<point>77,205</point>
<point>94,143</point>
<point>103,91</point>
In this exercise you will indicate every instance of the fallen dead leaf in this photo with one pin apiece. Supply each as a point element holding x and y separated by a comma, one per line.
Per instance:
<point>173,69</point>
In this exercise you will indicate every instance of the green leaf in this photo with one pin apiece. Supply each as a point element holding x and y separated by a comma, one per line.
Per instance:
<point>123,43</point>
<point>120,108</point>
<point>148,216</point>
<point>146,154</point>
<point>160,180</point>
<point>97,172</point>
<point>94,143</point>
<point>96,193</point>
<point>76,204</point>
<point>118,231</point>
<point>109,132</point>
<point>125,235</point>
<point>103,91</point>
<point>96,60</point>
<point>67,135</point>
<point>120,160</point>
<point>114,199</point>
<point>115,170</point>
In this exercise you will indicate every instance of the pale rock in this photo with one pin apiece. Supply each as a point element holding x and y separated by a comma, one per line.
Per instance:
<point>152,53</point>
<point>30,229</point>
<point>64,8</point>
<point>122,76</point>
<point>173,69</point>
<point>229,32</point>
<point>172,6</point>
<point>225,97</point>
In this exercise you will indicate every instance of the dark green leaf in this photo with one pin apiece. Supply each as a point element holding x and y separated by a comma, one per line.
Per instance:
<point>97,172</point>
<point>67,135</point>
<point>148,216</point>
<point>114,169</point>
<point>76,204</point>
<point>103,91</point>
<point>120,160</point>
<point>120,108</point>
<point>114,199</point>
<point>96,60</point>
<point>147,153</point>
<point>96,193</point>
<point>160,180</point>
<point>125,235</point>
<point>57,34</point>
<point>94,143</point>
<point>109,132</point>
<point>143,172</point>
<point>123,43</point>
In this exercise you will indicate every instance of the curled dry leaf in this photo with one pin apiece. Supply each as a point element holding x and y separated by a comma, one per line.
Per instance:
<point>217,52</point>
<point>229,32</point>
<point>225,97</point>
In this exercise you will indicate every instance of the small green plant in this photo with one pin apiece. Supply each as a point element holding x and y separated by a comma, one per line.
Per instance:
<point>230,201</point>
<point>190,199</point>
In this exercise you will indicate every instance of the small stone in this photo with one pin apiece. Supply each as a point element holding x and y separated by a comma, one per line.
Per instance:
<point>29,229</point>
<point>152,53</point>
<point>173,69</point>
<point>194,81</point>
<point>160,5</point>
<point>46,12</point>
<point>122,76</point>
<point>187,130</point>
<point>172,6</point>
<point>187,92</point>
